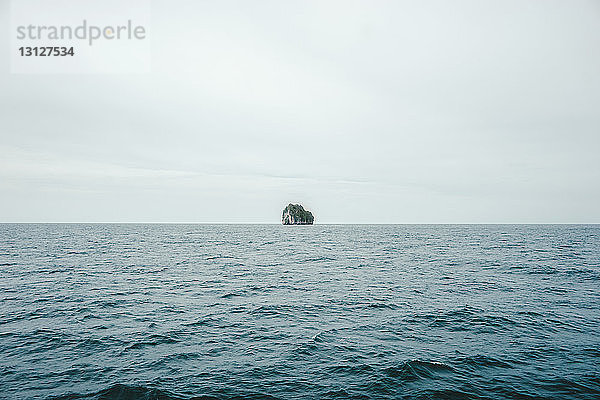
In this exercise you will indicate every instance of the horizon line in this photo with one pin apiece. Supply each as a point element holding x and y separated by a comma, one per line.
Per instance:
<point>280,224</point>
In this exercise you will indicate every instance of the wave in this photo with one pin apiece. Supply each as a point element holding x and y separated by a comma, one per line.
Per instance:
<point>146,343</point>
<point>417,369</point>
<point>319,258</point>
<point>444,394</point>
<point>218,257</point>
<point>205,321</point>
<point>231,294</point>
<point>126,392</point>
<point>135,392</point>
<point>463,319</point>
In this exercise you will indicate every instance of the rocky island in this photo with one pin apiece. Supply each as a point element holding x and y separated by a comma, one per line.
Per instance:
<point>295,214</point>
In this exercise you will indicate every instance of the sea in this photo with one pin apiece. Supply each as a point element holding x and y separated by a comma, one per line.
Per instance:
<point>158,311</point>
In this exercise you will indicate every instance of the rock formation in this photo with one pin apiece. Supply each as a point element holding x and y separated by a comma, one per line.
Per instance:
<point>295,214</point>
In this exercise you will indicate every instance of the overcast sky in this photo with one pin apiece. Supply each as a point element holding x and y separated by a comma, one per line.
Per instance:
<point>364,112</point>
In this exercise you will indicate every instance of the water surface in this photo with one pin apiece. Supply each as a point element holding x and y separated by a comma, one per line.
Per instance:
<point>299,312</point>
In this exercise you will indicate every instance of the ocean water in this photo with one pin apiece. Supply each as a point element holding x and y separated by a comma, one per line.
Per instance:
<point>299,312</point>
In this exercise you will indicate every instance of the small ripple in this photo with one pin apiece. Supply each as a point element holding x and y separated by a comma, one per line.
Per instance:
<point>153,340</point>
<point>481,361</point>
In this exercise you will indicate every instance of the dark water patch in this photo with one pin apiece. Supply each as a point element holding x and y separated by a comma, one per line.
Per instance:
<point>352,369</point>
<point>592,352</point>
<point>205,321</point>
<point>281,310</point>
<point>570,387</point>
<point>219,257</point>
<point>319,259</point>
<point>381,305</point>
<point>231,294</point>
<point>76,252</point>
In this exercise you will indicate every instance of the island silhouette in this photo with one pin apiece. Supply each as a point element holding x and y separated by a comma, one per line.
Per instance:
<point>295,214</point>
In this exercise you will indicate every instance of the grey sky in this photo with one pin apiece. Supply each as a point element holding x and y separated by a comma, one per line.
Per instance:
<point>365,112</point>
